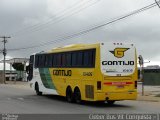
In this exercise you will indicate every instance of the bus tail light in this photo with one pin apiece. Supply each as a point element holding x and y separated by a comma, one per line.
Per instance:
<point>98,85</point>
<point>135,84</point>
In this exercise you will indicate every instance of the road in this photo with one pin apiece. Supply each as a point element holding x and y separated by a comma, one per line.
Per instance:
<point>19,100</point>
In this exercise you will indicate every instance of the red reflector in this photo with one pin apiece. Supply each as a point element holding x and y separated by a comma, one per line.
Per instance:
<point>118,83</point>
<point>129,82</point>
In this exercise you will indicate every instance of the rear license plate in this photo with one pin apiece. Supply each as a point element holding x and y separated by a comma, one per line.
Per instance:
<point>120,86</point>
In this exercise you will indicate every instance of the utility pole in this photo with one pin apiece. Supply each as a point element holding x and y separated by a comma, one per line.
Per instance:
<point>4,54</point>
<point>141,63</point>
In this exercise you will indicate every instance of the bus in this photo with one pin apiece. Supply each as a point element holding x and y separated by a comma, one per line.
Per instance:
<point>88,72</point>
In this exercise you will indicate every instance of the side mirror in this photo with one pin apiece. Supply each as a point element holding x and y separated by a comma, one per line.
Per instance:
<point>140,59</point>
<point>27,69</point>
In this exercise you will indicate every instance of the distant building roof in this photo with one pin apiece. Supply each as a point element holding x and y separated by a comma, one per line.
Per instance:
<point>152,67</point>
<point>16,60</point>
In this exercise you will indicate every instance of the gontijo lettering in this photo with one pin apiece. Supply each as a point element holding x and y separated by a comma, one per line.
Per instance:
<point>117,62</point>
<point>62,72</point>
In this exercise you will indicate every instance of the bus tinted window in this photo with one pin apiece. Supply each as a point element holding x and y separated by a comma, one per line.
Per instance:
<point>74,59</point>
<point>93,57</point>
<point>59,60</point>
<point>49,60</point>
<point>80,59</point>
<point>31,60</point>
<point>54,59</point>
<point>63,59</point>
<point>46,60</point>
<point>42,60</point>
<point>89,58</point>
<point>86,58</point>
<point>68,60</point>
<point>36,61</point>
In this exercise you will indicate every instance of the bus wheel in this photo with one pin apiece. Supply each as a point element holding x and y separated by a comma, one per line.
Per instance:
<point>77,95</point>
<point>69,95</point>
<point>37,89</point>
<point>110,102</point>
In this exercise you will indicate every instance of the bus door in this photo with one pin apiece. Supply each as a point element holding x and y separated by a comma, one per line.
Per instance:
<point>30,68</point>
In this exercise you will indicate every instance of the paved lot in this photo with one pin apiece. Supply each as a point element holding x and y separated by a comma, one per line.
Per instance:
<point>19,98</point>
<point>149,91</point>
<point>16,100</point>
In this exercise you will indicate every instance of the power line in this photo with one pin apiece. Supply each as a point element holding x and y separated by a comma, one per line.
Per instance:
<point>60,39</point>
<point>65,14</point>
<point>157,3</point>
<point>90,29</point>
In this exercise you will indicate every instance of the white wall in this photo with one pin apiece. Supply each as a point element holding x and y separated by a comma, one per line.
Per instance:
<point>7,66</point>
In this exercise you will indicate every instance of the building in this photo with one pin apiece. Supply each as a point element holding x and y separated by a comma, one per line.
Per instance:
<point>151,75</point>
<point>10,75</point>
<point>15,75</point>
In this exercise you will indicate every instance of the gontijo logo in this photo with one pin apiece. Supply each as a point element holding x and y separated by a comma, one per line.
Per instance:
<point>119,52</point>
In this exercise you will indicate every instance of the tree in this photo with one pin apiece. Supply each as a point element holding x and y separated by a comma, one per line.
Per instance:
<point>18,66</point>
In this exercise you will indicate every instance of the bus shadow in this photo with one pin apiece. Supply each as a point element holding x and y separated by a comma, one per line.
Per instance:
<point>105,105</point>
<point>56,97</point>
<point>88,103</point>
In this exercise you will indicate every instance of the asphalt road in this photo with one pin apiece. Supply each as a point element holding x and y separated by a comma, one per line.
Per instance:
<point>19,100</point>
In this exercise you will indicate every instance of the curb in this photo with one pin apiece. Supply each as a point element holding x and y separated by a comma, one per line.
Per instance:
<point>148,98</point>
<point>18,84</point>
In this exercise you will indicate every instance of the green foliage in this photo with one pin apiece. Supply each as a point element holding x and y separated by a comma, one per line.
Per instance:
<point>151,78</point>
<point>18,66</point>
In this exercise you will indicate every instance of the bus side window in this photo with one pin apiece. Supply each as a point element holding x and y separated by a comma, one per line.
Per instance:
<point>54,60</point>
<point>74,59</point>
<point>80,59</point>
<point>86,58</point>
<point>59,60</point>
<point>42,61</point>
<point>45,60</point>
<point>63,59</point>
<point>39,61</point>
<point>36,61</point>
<point>68,60</point>
<point>89,58</point>
<point>93,57</point>
<point>49,60</point>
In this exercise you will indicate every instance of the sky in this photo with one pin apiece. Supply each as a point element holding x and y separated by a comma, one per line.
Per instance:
<point>37,22</point>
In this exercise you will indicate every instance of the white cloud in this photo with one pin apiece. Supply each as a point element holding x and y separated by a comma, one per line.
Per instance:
<point>141,29</point>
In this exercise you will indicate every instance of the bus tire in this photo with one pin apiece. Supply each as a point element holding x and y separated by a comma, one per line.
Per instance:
<point>77,95</point>
<point>110,102</point>
<point>69,95</point>
<point>37,89</point>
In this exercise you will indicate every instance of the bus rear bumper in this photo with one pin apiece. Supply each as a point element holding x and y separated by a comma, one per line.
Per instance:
<point>116,96</point>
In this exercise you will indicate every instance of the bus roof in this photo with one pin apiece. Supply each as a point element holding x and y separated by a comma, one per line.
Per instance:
<point>74,47</point>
